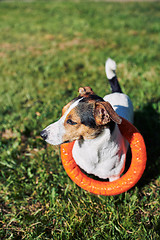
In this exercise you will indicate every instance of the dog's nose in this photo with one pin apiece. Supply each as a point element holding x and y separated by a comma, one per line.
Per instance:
<point>44,134</point>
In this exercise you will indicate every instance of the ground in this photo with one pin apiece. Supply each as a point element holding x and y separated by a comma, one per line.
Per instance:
<point>47,51</point>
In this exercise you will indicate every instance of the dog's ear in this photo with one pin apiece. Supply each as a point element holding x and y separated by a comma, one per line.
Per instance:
<point>85,91</point>
<point>104,113</point>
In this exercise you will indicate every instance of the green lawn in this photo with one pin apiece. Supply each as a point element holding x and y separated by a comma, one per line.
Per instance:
<point>47,51</point>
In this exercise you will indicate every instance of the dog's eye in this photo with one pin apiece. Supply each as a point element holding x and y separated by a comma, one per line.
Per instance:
<point>69,121</point>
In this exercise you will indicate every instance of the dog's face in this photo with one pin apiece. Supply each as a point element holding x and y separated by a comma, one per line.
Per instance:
<point>82,118</point>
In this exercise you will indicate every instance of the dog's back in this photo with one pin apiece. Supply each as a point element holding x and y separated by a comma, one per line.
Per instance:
<point>120,102</point>
<point>122,105</point>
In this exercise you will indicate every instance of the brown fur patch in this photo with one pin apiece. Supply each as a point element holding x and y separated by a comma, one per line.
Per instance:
<point>104,113</point>
<point>71,131</point>
<point>85,91</point>
<point>79,130</point>
<point>65,108</point>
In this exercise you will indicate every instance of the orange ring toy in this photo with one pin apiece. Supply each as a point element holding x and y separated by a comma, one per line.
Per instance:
<point>124,183</point>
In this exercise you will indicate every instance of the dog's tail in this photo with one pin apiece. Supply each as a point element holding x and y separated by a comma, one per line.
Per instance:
<point>110,68</point>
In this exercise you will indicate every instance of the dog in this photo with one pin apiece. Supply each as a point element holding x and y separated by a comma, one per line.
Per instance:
<point>92,122</point>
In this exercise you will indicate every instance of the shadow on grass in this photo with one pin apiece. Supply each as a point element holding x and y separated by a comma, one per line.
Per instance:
<point>148,123</point>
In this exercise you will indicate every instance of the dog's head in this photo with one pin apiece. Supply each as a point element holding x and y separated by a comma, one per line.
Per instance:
<point>83,118</point>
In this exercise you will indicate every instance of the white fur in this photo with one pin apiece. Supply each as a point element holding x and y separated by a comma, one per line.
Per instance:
<point>56,130</point>
<point>105,155</point>
<point>110,67</point>
<point>122,105</point>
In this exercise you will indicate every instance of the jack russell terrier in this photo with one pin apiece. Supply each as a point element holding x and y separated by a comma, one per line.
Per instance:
<point>92,122</point>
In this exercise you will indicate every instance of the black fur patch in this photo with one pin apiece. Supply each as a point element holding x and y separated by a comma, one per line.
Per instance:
<point>115,85</point>
<point>111,126</point>
<point>85,111</point>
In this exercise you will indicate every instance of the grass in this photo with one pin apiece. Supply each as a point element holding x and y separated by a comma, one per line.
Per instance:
<point>47,51</point>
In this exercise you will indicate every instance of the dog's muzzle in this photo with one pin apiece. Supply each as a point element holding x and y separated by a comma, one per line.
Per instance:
<point>44,134</point>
